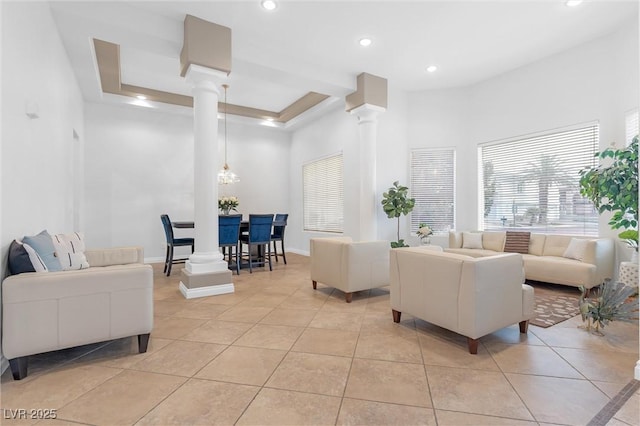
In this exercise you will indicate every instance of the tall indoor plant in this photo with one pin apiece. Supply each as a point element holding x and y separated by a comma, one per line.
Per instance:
<point>614,188</point>
<point>395,203</point>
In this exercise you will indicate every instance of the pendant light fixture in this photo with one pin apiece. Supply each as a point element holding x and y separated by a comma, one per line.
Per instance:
<point>226,176</point>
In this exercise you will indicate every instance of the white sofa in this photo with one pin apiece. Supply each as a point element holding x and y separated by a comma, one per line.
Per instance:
<point>349,266</point>
<point>545,261</point>
<point>46,311</point>
<point>469,296</point>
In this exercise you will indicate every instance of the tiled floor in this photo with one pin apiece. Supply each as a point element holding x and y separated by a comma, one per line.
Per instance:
<point>278,352</point>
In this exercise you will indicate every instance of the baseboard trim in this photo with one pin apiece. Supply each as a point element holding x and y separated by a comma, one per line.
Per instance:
<point>192,293</point>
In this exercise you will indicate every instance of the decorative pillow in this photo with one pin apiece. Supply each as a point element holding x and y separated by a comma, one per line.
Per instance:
<point>70,251</point>
<point>472,240</point>
<point>517,242</point>
<point>19,260</point>
<point>576,249</point>
<point>43,245</point>
<point>36,260</point>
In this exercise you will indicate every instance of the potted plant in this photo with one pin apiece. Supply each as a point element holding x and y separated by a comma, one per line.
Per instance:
<point>395,203</point>
<point>614,188</point>
<point>609,302</point>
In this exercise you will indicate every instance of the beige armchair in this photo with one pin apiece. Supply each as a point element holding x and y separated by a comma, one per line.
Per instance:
<point>469,296</point>
<point>349,266</point>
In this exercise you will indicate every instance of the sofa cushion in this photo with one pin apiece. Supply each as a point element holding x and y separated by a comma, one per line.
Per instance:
<point>472,240</point>
<point>536,244</point>
<point>70,251</point>
<point>472,252</point>
<point>576,249</point>
<point>43,245</point>
<point>560,270</point>
<point>555,245</point>
<point>19,260</point>
<point>517,242</point>
<point>493,240</point>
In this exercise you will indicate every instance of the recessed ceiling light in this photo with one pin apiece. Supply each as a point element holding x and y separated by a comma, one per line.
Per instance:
<point>141,97</point>
<point>573,3</point>
<point>432,68</point>
<point>269,4</point>
<point>364,42</point>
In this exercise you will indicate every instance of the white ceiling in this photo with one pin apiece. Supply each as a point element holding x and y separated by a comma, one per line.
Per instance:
<point>304,46</point>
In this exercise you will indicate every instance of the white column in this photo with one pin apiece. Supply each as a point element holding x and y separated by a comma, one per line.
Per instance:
<point>206,91</point>
<point>367,148</point>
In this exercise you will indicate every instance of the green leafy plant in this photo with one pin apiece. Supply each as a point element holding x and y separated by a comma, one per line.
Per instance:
<point>395,203</point>
<point>614,188</point>
<point>610,302</point>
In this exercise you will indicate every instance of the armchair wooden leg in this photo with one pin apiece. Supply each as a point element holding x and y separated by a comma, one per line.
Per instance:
<point>524,326</point>
<point>396,315</point>
<point>19,367</point>
<point>348,297</point>
<point>143,342</point>
<point>473,345</point>
<point>315,284</point>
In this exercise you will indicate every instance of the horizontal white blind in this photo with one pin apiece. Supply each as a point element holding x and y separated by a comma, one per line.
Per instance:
<point>433,185</point>
<point>631,126</point>
<point>532,183</point>
<point>323,195</point>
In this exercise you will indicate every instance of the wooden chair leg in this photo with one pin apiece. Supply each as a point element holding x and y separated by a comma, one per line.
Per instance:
<point>170,264</point>
<point>143,342</point>
<point>524,326</point>
<point>250,260</point>
<point>348,297</point>
<point>166,260</point>
<point>275,250</point>
<point>473,345</point>
<point>237,260</point>
<point>269,256</point>
<point>284,255</point>
<point>315,284</point>
<point>19,367</point>
<point>396,315</point>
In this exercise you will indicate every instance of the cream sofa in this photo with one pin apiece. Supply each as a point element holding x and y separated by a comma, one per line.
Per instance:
<point>349,266</point>
<point>46,311</point>
<point>545,261</point>
<point>469,296</point>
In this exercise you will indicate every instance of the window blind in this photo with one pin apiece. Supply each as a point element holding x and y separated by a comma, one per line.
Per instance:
<point>631,126</point>
<point>433,185</point>
<point>323,195</point>
<point>532,183</point>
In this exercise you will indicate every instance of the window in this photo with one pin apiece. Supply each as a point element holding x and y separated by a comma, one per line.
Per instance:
<point>433,185</point>
<point>631,126</point>
<point>323,195</point>
<point>532,183</point>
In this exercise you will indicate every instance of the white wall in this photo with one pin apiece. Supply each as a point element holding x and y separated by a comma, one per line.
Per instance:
<point>41,160</point>
<point>139,165</point>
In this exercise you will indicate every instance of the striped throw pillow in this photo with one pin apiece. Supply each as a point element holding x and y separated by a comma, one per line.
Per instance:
<point>517,242</point>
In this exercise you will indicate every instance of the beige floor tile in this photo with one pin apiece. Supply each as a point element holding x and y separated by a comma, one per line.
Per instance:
<point>202,311</point>
<point>453,351</point>
<point>166,308</point>
<point>174,328</point>
<point>630,411</point>
<point>54,389</point>
<point>122,400</point>
<point>616,422</point>
<point>202,402</point>
<point>602,366</point>
<point>467,390</point>
<point>215,331</point>
<point>403,347</point>
<point>337,320</point>
<point>610,389</point>
<point>559,400</point>
<point>122,353</point>
<point>323,374</point>
<point>337,302</point>
<point>385,381</point>
<point>511,335</point>
<point>327,342</point>
<point>454,418</point>
<point>237,364</point>
<point>180,358</point>
<point>228,299</point>
<point>382,322</point>
<point>304,301</point>
<point>618,336</point>
<point>245,314</point>
<point>58,422</point>
<point>281,407</point>
<point>291,317</point>
<point>358,412</point>
<point>530,359</point>
<point>270,337</point>
<point>263,300</point>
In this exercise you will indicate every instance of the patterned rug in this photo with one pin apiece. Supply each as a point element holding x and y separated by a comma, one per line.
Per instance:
<point>554,303</point>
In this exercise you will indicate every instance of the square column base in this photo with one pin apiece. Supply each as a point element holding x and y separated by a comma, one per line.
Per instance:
<point>207,284</point>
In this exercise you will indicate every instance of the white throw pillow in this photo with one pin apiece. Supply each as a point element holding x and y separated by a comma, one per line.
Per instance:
<point>472,240</point>
<point>70,251</point>
<point>576,249</point>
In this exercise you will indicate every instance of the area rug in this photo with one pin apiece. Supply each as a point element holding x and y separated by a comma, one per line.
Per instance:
<point>554,303</point>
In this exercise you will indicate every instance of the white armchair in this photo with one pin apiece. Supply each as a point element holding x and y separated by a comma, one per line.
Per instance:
<point>349,266</point>
<point>469,296</point>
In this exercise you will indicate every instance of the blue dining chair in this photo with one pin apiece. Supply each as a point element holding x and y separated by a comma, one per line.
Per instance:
<point>259,236</point>
<point>228,237</point>
<point>279,223</point>
<point>171,243</point>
